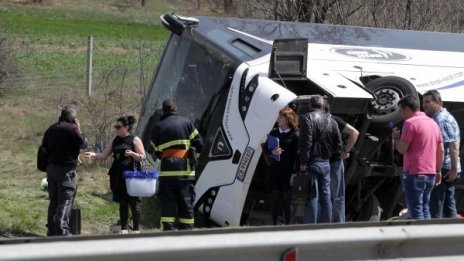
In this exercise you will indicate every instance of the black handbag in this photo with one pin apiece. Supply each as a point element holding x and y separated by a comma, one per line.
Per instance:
<point>75,218</point>
<point>303,187</point>
<point>42,158</point>
<point>75,221</point>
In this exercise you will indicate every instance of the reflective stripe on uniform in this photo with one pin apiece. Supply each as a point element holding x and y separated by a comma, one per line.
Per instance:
<point>176,173</point>
<point>187,220</point>
<point>193,134</point>
<point>168,219</point>
<point>173,143</point>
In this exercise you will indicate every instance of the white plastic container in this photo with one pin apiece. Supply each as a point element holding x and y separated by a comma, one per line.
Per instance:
<point>141,183</point>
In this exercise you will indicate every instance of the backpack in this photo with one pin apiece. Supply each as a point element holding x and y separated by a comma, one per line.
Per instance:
<point>42,158</point>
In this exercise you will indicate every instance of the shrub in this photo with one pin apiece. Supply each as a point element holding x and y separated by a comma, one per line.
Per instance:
<point>8,64</point>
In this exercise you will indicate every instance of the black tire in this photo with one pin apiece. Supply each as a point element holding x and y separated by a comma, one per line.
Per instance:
<point>370,211</point>
<point>388,91</point>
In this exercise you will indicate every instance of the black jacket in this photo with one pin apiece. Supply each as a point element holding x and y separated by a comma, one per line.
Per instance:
<point>63,142</point>
<point>175,132</point>
<point>281,171</point>
<point>319,136</point>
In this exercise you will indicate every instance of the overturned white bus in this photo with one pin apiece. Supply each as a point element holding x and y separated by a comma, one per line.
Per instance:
<point>232,76</point>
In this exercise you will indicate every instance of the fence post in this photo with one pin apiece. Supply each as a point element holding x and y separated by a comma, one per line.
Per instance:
<point>89,65</point>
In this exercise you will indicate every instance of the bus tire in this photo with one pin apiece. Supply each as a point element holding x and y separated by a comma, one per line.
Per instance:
<point>370,211</point>
<point>388,91</point>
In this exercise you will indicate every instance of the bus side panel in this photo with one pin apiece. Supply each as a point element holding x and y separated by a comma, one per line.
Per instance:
<point>262,113</point>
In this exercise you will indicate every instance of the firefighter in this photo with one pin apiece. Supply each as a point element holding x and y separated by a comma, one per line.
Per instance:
<point>176,141</point>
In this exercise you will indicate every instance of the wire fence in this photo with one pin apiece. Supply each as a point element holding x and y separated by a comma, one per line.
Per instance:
<point>102,80</point>
<point>116,92</point>
<point>59,66</point>
<point>56,75</point>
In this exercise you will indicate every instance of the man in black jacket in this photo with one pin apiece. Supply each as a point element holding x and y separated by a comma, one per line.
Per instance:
<point>173,138</point>
<point>319,139</point>
<point>63,141</point>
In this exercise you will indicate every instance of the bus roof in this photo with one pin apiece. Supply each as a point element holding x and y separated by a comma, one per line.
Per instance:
<point>339,34</point>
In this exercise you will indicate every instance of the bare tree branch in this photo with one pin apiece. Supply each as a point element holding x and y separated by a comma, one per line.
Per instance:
<point>432,15</point>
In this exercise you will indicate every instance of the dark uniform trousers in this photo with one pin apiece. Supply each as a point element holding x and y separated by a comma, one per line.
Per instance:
<point>176,198</point>
<point>61,190</point>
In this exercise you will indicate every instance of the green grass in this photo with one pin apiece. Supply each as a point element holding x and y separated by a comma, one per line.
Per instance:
<point>62,62</point>
<point>50,41</point>
<point>55,39</point>
<point>51,29</point>
<point>94,10</point>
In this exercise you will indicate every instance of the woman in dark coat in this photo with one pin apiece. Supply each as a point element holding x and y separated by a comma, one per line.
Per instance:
<point>281,170</point>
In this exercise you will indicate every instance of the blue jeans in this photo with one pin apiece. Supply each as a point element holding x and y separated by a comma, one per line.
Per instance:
<point>337,191</point>
<point>417,190</point>
<point>442,200</point>
<point>320,170</point>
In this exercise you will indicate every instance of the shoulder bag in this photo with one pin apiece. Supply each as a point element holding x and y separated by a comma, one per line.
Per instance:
<point>42,158</point>
<point>304,186</point>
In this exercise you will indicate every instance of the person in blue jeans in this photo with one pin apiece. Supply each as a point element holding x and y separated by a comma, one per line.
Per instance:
<point>442,199</point>
<point>337,167</point>
<point>421,144</point>
<point>319,139</point>
<point>337,170</point>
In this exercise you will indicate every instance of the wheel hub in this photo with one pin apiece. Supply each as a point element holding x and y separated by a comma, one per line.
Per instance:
<point>386,101</point>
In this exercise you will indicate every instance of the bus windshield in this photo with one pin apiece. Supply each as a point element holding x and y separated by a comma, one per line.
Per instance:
<point>187,73</point>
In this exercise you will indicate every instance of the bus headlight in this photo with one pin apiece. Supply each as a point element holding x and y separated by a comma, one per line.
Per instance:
<point>246,95</point>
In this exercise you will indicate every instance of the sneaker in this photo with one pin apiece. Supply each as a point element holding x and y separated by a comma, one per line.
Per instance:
<point>136,231</point>
<point>124,231</point>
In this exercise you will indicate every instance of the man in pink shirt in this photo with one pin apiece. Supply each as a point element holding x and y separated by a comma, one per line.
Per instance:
<point>421,144</point>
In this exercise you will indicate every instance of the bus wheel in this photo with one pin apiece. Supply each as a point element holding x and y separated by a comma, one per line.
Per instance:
<point>370,211</point>
<point>388,91</point>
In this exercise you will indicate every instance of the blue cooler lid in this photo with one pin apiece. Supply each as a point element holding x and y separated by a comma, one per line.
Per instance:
<point>142,174</point>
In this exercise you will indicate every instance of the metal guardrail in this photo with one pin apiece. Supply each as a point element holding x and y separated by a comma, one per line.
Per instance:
<point>410,240</point>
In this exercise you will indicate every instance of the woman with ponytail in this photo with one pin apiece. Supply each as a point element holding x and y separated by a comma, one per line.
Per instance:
<point>127,151</point>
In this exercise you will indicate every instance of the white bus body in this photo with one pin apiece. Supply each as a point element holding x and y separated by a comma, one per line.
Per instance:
<point>232,76</point>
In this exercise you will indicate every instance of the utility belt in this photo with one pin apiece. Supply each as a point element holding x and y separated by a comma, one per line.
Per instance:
<point>175,153</point>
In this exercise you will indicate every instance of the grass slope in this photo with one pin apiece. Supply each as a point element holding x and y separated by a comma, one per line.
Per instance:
<point>50,41</point>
